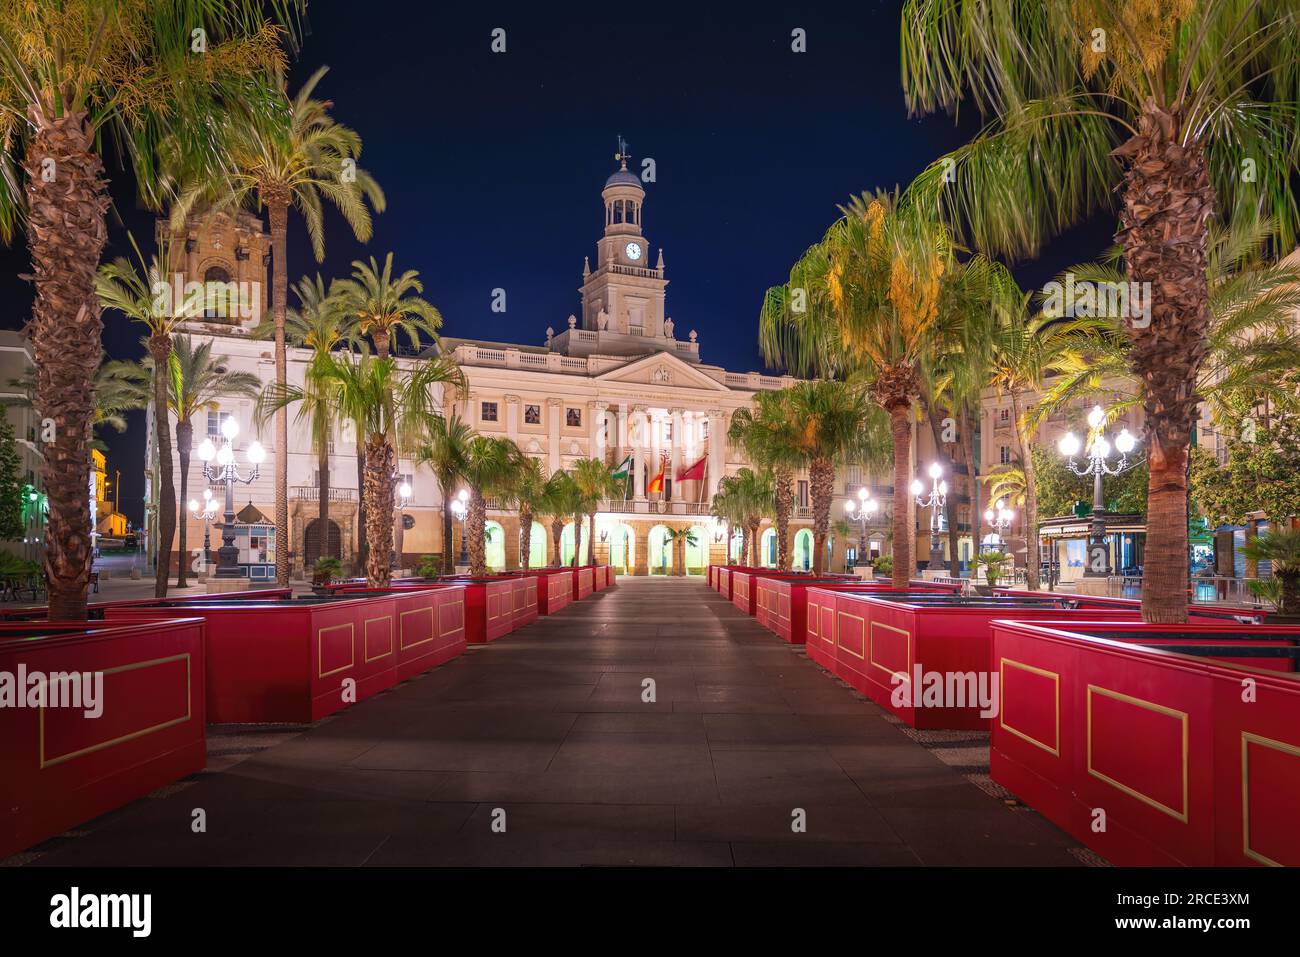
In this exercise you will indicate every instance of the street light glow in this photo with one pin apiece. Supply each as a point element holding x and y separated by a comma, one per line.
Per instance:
<point>1096,417</point>
<point>207,450</point>
<point>230,428</point>
<point>917,487</point>
<point>936,470</point>
<point>1125,441</point>
<point>256,454</point>
<point>1070,445</point>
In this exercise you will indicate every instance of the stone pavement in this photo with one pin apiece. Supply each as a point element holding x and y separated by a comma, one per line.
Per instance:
<point>546,732</point>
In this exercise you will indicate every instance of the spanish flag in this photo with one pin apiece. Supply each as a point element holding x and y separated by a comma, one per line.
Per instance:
<point>656,483</point>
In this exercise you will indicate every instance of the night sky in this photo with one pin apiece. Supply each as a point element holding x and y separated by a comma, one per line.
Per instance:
<point>493,163</point>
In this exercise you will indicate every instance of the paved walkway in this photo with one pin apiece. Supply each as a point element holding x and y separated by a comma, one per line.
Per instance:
<point>546,731</point>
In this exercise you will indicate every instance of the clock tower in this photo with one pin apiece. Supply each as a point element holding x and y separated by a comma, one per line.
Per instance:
<point>624,294</point>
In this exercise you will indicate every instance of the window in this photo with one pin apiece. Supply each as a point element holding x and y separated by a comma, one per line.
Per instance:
<point>801,496</point>
<point>1004,416</point>
<point>573,418</point>
<point>1004,455</point>
<point>214,423</point>
<point>668,431</point>
<point>532,415</point>
<point>488,411</point>
<point>704,429</point>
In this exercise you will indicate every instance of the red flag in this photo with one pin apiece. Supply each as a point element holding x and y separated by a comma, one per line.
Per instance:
<point>695,471</point>
<point>656,483</point>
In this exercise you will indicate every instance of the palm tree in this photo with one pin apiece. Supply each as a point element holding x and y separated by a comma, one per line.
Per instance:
<point>317,324</point>
<point>680,538</point>
<point>488,467</point>
<point>1176,118</point>
<point>119,286</point>
<point>768,434</point>
<point>295,155</point>
<point>755,497</point>
<point>1280,547</point>
<point>864,303</point>
<point>382,307</point>
<point>528,493</point>
<point>443,451</point>
<point>395,410</point>
<point>197,381</point>
<point>725,507</point>
<point>67,80</point>
<point>595,482</point>
<point>559,501</point>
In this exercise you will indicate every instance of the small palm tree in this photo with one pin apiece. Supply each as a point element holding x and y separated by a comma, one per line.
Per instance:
<point>595,482</point>
<point>443,452</point>
<point>197,382</point>
<point>754,493</point>
<point>382,307</point>
<point>769,434</point>
<point>528,494</point>
<point>1281,547</point>
<point>292,155</point>
<point>119,286</point>
<point>395,411</point>
<point>679,538</point>
<point>560,500</point>
<point>489,466</point>
<point>992,563</point>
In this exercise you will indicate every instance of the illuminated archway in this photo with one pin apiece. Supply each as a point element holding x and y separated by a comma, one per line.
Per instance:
<point>538,543</point>
<point>622,547</point>
<point>659,555</point>
<point>566,545</point>
<point>767,548</point>
<point>803,549</point>
<point>697,555</point>
<point>494,545</point>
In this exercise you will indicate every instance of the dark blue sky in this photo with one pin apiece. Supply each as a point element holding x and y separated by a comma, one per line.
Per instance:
<point>493,163</point>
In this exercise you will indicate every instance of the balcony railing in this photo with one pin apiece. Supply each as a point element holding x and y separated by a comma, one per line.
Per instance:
<point>311,493</point>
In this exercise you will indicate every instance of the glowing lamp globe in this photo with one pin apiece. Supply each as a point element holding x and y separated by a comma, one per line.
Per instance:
<point>936,470</point>
<point>1101,447</point>
<point>404,490</point>
<point>1125,442</point>
<point>849,506</point>
<point>256,454</point>
<point>230,428</point>
<point>1096,417</point>
<point>224,455</point>
<point>917,487</point>
<point>1069,444</point>
<point>207,450</point>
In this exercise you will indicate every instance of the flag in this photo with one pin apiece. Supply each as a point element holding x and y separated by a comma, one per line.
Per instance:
<point>695,471</point>
<point>656,483</point>
<point>624,468</point>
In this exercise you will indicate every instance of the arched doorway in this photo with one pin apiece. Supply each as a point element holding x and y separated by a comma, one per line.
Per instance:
<point>494,545</point>
<point>659,551</point>
<point>697,554</point>
<point>538,543</point>
<point>622,547</point>
<point>803,549</point>
<point>311,541</point>
<point>767,548</point>
<point>566,544</point>
<point>734,552</point>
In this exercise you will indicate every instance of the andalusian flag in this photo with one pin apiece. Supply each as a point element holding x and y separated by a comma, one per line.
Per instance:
<point>624,468</point>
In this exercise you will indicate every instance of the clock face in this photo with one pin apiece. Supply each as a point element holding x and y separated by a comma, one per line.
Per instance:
<point>633,251</point>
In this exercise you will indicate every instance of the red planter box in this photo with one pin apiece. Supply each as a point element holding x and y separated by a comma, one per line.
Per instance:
<point>298,660</point>
<point>867,638</point>
<point>584,581</point>
<point>1107,718</point>
<point>747,584</point>
<point>524,601</point>
<point>782,605</point>
<point>430,626</point>
<point>59,768</point>
<point>489,607</point>
<point>1201,610</point>
<point>95,611</point>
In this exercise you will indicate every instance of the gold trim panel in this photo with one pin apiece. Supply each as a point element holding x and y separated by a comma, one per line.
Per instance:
<point>320,647</point>
<point>365,631</point>
<point>1055,750</point>
<point>907,657</point>
<point>1248,738</point>
<point>1182,716</point>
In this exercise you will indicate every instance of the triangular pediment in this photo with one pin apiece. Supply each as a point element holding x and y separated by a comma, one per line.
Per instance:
<point>662,369</point>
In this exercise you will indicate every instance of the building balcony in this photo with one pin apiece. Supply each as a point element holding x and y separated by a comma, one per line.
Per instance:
<point>311,493</point>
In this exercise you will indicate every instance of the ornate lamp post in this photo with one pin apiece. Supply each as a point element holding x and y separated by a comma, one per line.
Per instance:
<point>206,514</point>
<point>226,472</point>
<point>460,508</point>
<point>865,509</point>
<point>937,498</point>
<point>1098,466</point>
<point>999,518</point>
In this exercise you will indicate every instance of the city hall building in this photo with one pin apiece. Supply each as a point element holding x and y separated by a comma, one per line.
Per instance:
<point>618,380</point>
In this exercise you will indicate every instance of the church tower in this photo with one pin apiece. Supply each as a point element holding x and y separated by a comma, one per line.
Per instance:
<point>624,294</point>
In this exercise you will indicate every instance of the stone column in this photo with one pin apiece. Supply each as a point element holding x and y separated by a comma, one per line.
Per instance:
<point>510,528</point>
<point>717,448</point>
<point>641,530</point>
<point>675,464</point>
<point>597,413</point>
<point>553,434</point>
<point>512,417</point>
<point>656,440</point>
<point>638,450</point>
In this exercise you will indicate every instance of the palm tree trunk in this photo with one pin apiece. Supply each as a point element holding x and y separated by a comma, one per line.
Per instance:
<point>821,483</point>
<point>755,556</point>
<point>744,545</point>
<point>160,348</point>
<point>1251,568</point>
<point>784,507</point>
<point>184,439</point>
<point>557,535</point>
<point>448,531</point>
<point>966,447</point>
<point>65,235</point>
<point>591,538</point>
<point>1168,199</point>
<point>278,213</point>
<point>380,460</point>
<point>525,537</point>
<point>577,539</point>
<point>322,500</point>
<point>901,429</point>
<point>363,545</point>
<point>476,523</point>
<point>1024,440</point>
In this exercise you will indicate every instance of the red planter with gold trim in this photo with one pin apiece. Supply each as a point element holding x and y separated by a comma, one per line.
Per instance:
<point>58,767</point>
<point>430,626</point>
<point>1192,758</point>
<point>95,611</point>
<point>584,581</point>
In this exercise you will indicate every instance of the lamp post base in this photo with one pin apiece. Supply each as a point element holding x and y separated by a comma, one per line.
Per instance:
<point>216,586</point>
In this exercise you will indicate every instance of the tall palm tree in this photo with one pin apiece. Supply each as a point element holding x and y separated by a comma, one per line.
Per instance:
<point>318,324</point>
<point>595,482</point>
<point>769,436</point>
<point>864,303</point>
<point>66,80</point>
<point>293,156</point>
<point>119,286</point>
<point>754,493</point>
<point>443,452</point>
<point>382,307</point>
<point>395,410</point>
<point>197,381</point>
<point>528,494</point>
<point>1171,119</point>
<point>488,467</point>
<point>837,426</point>
<point>725,506</point>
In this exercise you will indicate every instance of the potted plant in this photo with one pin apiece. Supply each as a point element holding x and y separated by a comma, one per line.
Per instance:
<point>883,566</point>
<point>1281,548</point>
<point>992,563</point>
<point>430,566</point>
<point>325,570</point>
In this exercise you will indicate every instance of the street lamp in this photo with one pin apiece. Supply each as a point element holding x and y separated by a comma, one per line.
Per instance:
<point>865,508</point>
<point>999,517</point>
<point>460,508</point>
<point>1098,452</point>
<point>206,513</point>
<point>226,472</point>
<point>934,502</point>
<point>399,525</point>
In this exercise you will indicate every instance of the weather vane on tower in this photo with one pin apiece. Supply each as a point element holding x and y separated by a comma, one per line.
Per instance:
<point>622,153</point>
